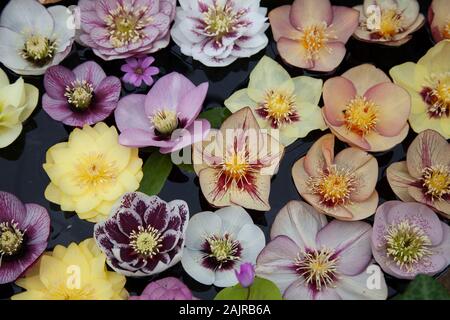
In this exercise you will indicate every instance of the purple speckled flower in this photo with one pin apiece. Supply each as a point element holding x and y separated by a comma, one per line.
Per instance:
<point>138,70</point>
<point>409,239</point>
<point>24,231</point>
<point>165,289</point>
<point>246,274</point>
<point>144,235</point>
<point>82,96</point>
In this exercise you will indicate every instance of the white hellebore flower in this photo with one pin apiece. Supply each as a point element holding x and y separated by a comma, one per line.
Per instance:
<point>218,32</point>
<point>217,243</point>
<point>34,38</point>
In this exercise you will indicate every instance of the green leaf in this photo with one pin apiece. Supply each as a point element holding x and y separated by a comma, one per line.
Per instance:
<point>261,289</point>
<point>424,288</point>
<point>215,116</point>
<point>186,167</point>
<point>156,170</point>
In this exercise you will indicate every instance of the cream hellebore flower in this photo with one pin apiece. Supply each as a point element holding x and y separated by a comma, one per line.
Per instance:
<point>428,83</point>
<point>279,102</point>
<point>17,102</point>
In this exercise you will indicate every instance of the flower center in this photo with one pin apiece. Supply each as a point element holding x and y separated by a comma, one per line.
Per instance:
<point>11,239</point>
<point>235,165</point>
<point>436,181</point>
<point>146,241</point>
<point>334,186</point>
<point>437,96</point>
<point>221,252</point>
<point>360,115</point>
<point>165,122</point>
<point>407,244</point>
<point>318,267</point>
<point>315,38</point>
<point>278,108</point>
<point>220,20</point>
<point>38,50</point>
<point>446,33</point>
<point>79,95</point>
<point>391,23</point>
<point>93,170</point>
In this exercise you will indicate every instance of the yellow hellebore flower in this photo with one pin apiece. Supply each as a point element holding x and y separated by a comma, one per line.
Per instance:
<point>279,102</point>
<point>77,272</point>
<point>428,83</point>
<point>91,171</point>
<point>17,103</point>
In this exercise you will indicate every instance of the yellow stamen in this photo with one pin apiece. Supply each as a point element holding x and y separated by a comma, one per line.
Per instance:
<point>223,249</point>
<point>315,38</point>
<point>165,121</point>
<point>11,239</point>
<point>436,181</point>
<point>38,50</point>
<point>279,108</point>
<point>146,241</point>
<point>220,20</point>
<point>360,115</point>
<point>93,170</point>
<point>79,94</point>
<point>391,24</point>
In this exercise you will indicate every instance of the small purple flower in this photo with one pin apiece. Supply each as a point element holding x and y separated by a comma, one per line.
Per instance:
<point>246,274</point>
<point>24,231</point>
<point>82,96</point>
<point>165,289</point>
<point>166,117</point>
<point>144,235</point>
<point>138,70</point>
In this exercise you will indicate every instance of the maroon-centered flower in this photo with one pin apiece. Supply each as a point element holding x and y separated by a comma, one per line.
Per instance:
<point>24,231</point>
<point>144,235</point>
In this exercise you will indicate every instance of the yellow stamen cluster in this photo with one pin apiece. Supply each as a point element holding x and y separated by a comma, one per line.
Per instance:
<point>11,239</point>
<point>439,97</point>
<point>220,20</point>
<point>146,241</point>
<point>223,249</point>
<point>279,108</point>
<point>315,38</point>
<point>165,121</point>
<point>38,50</point>
<point>93,170</point>
<point>436,181</point>
<point>446,32</point>
<point>79,94</point>
<point>391,24</point>
<point>360,115</point>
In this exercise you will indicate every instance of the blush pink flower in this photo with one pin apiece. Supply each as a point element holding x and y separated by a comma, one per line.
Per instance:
<point>343,186</point>
<point>165,289</point>
<point>311,34</point>
<point>365,109</point>
<point>138,70</point>
<point>439,19</point>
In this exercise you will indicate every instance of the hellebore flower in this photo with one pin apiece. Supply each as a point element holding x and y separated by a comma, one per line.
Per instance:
<point>143,235</point>
<point>82,96</point>
<point>388,22</point>
<point>409,239</point>
<point>279,102</point>
<point>24,230</point>
<point>425,175</point>
<point>428,83</point>
<point>119,29</point>
<point>311,34</point>
<point>33,37</point>
<point>91,171</point>
<point>17,103</point>
<point>343,186</point>
<point>138,70</point>
<point>217,33</point>
<point>366,110</point>
<point>236,163</point>
<point>165,289</point>
<point>439,19</point>
<point>246,274</point>
<point>309,259</point>
<point>166,117</point>
<point>217,243</point>
<point>77,272</point>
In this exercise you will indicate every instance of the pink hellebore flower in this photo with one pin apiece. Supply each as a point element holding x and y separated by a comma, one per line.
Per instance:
<point>165,289</point>
<point>138,70</point>
<point>439,19</point>
<point>311,34</point>
<point>246,274</point>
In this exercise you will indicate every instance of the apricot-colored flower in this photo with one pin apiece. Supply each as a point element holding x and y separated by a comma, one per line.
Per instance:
<point>425,175</point>
<point>428,83</point>
<point>311,34</point>
<point>343,186</point>
<point>439,19</point>
<point>365,109</point>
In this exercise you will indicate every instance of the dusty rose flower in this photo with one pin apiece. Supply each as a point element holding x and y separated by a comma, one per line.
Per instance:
<point>425,175</point>
<point>311,34</point>
<point>365,109</point>
<point>165,289</point>
<point>439,19</point>
<point>343,186</point>
<point>409,239</point>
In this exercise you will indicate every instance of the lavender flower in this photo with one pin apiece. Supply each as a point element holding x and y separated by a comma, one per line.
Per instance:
<point>138,70</point>
<point>246,274</point>
<point>165,289</point>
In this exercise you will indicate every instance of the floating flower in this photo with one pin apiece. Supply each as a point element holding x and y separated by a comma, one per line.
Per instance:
<point>311,34</point>
<point>119,29</point>
<point>17,103</point>
<point>165,289</point>
<point>246,274</point>
<point>138,70</point>
<point>428,83</point>
<point>82,96</point>
<point>343,186</point>
<point>166,117</point>
<point>439,19</point>
<point>236,163</point>
<point>279,102</point>
<point>365,109</point>
<point>425,175</point>
<point>310,259</point>
<point>409,239</point>
<point>143,235</point>
<point>24,230</point>
<point>33,37</point>
<point>91,171</point>
<point>217,33</point>
<point>217,243</point>
<point>77,272</point>
<point>388,22</point>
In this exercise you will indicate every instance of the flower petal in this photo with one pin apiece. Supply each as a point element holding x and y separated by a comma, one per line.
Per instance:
<point>130,113</point>
<point>337,93</point>
<point>308,12</point>
<point>365,76</point>
<point>91,72</point>
<point>345,22</point>
<point>281,24</point>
